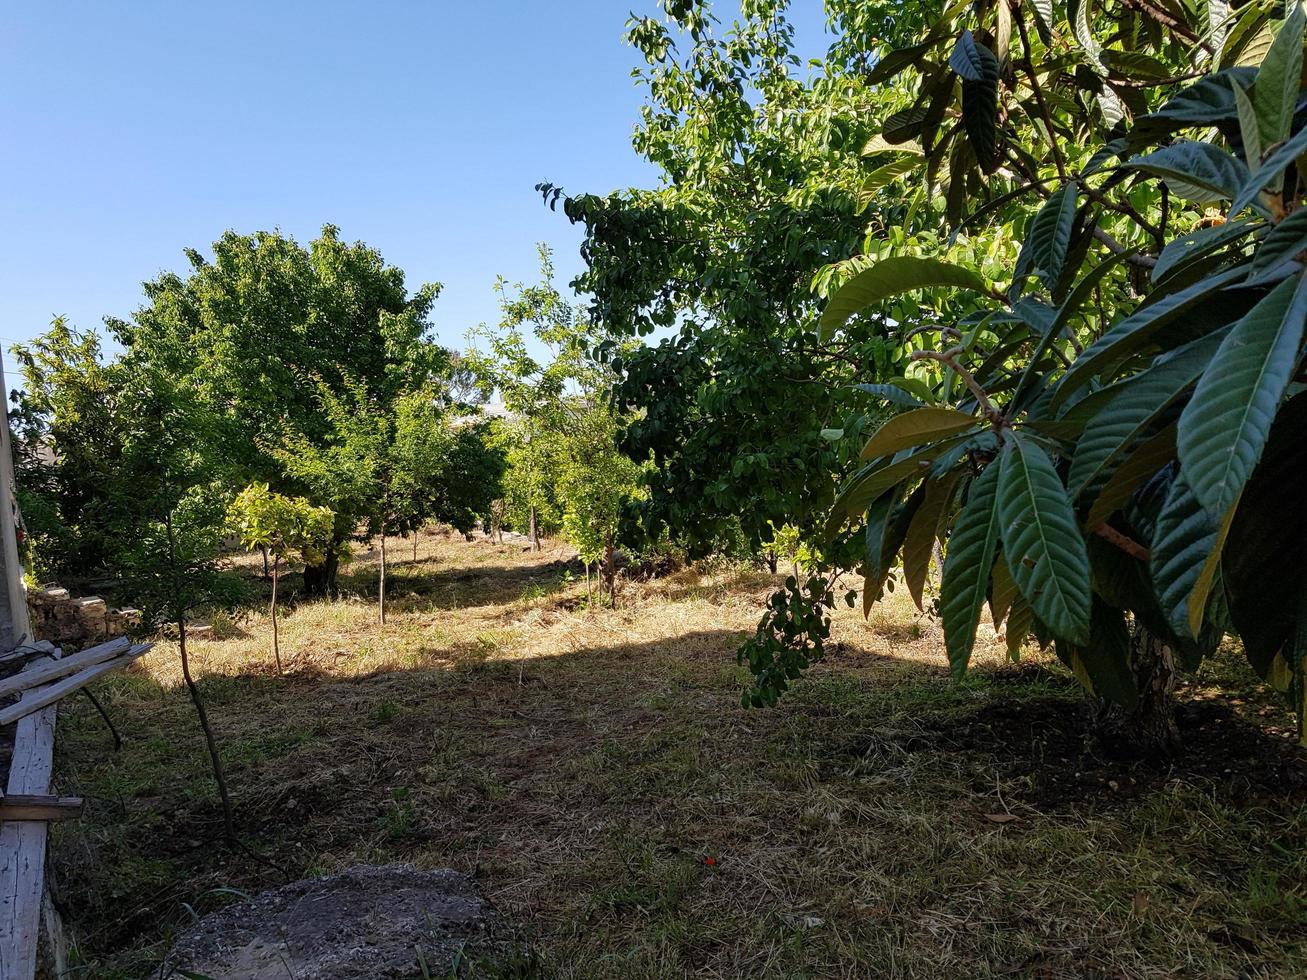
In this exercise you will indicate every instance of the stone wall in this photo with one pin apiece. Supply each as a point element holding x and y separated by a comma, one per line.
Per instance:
<point>74,622</point>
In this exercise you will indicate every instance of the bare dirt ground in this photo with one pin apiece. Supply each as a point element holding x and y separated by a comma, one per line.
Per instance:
<point>593,769</point>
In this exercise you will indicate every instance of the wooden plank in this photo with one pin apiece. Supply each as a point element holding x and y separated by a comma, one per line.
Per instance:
<point>34,700</point>
<point>22,846</point>
<point>31,806</point>
<point>37,648</point>
<point>54,669</point>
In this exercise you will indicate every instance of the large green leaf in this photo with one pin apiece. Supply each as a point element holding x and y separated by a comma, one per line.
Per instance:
<point>980,102</point>
<point>1205,103</point>
<point>1287,240</point>
<point>891,393</point>
<point>919,544</point>
<point>1184,542</point>
<point>876,561</point>
<point>896,61</point>
<point>1102,665</point>
<point>1118,426</point>
<point>1225,425</point>
<point>1270,170</point>
<point>890,277</point>
<point>1268,537</point>
<point>884,176</point>
<point>1275,92</point>
<point>875,478</point>
<point>1044,549</point>
<point>1180,251</point>
<point>1195,171</point>
<point>914,428</point>
<point>1134,333</point>
<point>1049,237</point>
<point>1003,591</point>
<point>971,547</point>
<point>967,59</point>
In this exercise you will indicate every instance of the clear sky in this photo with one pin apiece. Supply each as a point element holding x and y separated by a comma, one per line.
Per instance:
<point>134,129</point>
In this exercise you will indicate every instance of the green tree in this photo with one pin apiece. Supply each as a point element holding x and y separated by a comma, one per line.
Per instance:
<point>166,517</point>
<point>68,429</point>
<point>262,328</point>
<point>1107,442</point>
<point>560,439</point>
<point>283,527</point>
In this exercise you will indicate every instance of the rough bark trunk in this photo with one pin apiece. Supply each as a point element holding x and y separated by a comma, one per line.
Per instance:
<point>535,532</point>
<point>320,580</point>
<point>1153,720</point>
<point>415,547</point>
<point>264,550</point>
<point>276,646</point>
<point>772,562</point>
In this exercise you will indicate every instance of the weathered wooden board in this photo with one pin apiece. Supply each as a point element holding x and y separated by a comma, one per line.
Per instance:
<point>22,846</point>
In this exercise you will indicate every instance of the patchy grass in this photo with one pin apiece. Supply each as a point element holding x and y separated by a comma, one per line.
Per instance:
<point>593,769</point>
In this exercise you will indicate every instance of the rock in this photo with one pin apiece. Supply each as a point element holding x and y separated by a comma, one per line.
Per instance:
<point>367,923</point>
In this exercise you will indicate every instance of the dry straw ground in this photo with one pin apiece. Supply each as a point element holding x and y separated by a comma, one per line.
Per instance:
<point>594,770</point>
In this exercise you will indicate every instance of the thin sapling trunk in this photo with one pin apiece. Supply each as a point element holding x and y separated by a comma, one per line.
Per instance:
<point>276,646</point>
<point>215,759</point>
<point>381,582</point>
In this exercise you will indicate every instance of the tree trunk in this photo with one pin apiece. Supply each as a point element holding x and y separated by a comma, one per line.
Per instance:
<point>215,760</point>
<point>610,571</point>
<point>320,580</point>
<point>772,562</point>
<point>229,823</point>
<point>535,532</point>
<point>415,547</point>
<point>1153,720</point>
<point>276,646</point>
<point>264,549</point>
<point>381,581</point>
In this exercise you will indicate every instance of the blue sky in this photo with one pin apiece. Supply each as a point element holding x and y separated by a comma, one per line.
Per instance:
<point>132,130</point>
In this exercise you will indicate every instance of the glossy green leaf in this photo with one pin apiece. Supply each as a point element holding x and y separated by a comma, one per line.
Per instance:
<point>891,277</point>
<point>883,176</point>
<point>1119,425</point>
<point>1049,237</point>
<point>1268,537</point>
<point>1103,663</point>
<point>1184,540</point>
<point>1180,251</point>
<point>915,428</point>
<point>980,108</point>
<point>1136,331</point>
<point>1002,591</point>
<point>1275,92</point>
<point>1195,171</point>
<point>1044,549</point>
<point>1225,425</point>
<point>1270,170</point>
<point>1140,466</point>
<point>891,393</point>
<point>1287,240</point>
<point>919,543</point>
<point>967,59</point>
<point>971,548</point>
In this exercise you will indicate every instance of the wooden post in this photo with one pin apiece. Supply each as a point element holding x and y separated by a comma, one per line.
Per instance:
<point>22,846</point>
<point>22,843</point>
<point>14,627</point>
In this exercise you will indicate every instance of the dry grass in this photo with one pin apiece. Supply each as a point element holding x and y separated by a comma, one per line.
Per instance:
<point>594,770</point>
